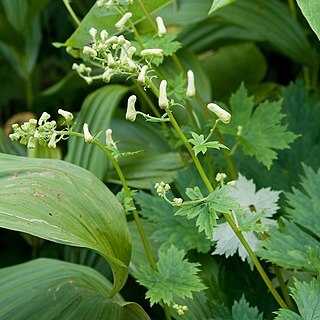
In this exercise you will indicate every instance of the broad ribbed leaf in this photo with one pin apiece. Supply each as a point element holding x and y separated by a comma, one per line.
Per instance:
<point>311,11</point>
<point>100,18</point>
<point>48,289</point>
<point>97,110</point>
<point>64,203</point>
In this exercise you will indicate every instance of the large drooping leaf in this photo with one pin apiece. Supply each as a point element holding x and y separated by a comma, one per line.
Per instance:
<point>260,131</point>
<point>311,11</point>
<point>64,203</point>
<point>307,297</point>
<point>97,110</point>
<point>100,18</point>
<point>50,289</point>
<point>282,246</point>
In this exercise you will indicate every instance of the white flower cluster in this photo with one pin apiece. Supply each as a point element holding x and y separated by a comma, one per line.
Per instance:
<point>41,131</point>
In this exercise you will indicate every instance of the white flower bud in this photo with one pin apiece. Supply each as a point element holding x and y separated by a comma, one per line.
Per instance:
<point>163,100</point>
<point>88,80</point>
<point>89,51</point>
<point>52,143</point>
<point>232,183</point>
<point>131,51</point>
<point>130,63</point>
<point>106,77</point>
<point>177,202</point>
<point>122,40</point>
<point>101,3</point>
<point>66,114</point>
<point>75,66</point>
<point>109,4</point>
<point>191,89</point>
<point>104,35</point>
<point>31,143</point>
<point>142,75</point>
<point>120,24</point>
<point>109,140</point>
<point>161,27</point>
<point>152,52</point>
<point>111,61</point>
<point>93,32</point>
<point>220,176</point>
<point>87,135</point>
<point>222,114</point>
<point>131,110</point>
<point>112,40</point>
<point>44,117</point>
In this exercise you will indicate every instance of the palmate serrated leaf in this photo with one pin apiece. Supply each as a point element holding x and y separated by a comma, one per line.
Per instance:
<point>305,205</point>
<point>170,229</point>
<point>262,133</point>
<point>242,310</point>
<point>307,297</point>
<point>175,277</point>
<point>206,211</point>
<point>201,146</point>
<point>282,246</point>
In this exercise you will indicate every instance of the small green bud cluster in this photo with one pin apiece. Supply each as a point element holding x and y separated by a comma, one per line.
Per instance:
<point>180,309</point>
<point>162,188</point>
<point>83,71</point>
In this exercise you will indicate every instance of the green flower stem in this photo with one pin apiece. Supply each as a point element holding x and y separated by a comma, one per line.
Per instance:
<point>293,9</point>
<point>283,287</point>
<point>126,189</point>
<point>148,16</point>
<point>227,217</point>
<point>146,98</point>
<point>71,12</point>
<point>256,262</point>
<point>189,147</point>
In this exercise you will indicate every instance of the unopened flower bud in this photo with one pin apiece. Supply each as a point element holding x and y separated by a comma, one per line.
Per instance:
<point>88,80</point>
<point>220,176</point>
<point>87,135</point>
<point>66,114</point>
<point>222,114</point>
<point>131,113</point>
<point>108,73</point>
<point>52,143</point>
<point>152,52</point>
<point>104,35</point>
<point>142,75</point>
<point>131,51</point>
<point>163,100</point>
<point>31,143</point>
<point>93,32</point>
<point>120,24</point>
<point>44,117</point>
<point>89,51</point>
<point>177,201</point>
<point>101,3</point>
<point>161,27</point>
<point>111,61</point>
<point>109,139</point>
<point>232,183</point>
<point>191,89</point>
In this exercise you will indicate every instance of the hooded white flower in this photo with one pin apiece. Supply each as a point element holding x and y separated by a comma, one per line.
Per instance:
<point>142,75</point>
<point>121,23</point>
<point>131,113</point>
<point>66,114</point>
<point>222,114</point>
<point>163,100</point>
<point>152,52</point>
<point>191,89</point>
<point>109,139</point>
<point>161,27</point>
<point>87,135</point>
